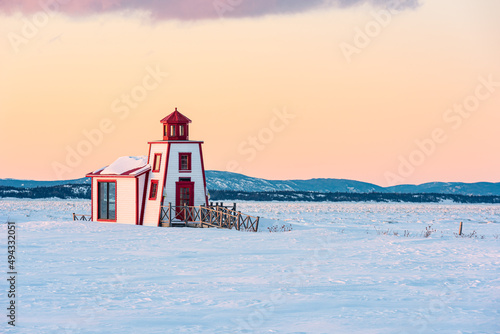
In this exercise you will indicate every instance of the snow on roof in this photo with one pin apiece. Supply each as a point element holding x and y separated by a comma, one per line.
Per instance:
<point>125,165</point>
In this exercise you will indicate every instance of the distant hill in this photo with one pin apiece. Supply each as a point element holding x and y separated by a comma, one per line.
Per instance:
<point>459,188</point>
<point>218,180</point>
<point>58,191</point>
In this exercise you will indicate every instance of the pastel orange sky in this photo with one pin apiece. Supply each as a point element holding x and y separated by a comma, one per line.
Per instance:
<point>297,93</point>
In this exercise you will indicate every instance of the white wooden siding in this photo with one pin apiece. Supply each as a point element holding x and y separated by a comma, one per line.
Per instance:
<point>142,189</point>
<point>196,173</point>
<point>152,209</point>
<point>125,199</point>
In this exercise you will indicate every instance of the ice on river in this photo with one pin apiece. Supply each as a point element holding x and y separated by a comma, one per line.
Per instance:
<point>343,268</point>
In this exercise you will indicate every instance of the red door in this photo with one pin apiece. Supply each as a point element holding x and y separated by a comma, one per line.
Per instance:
<point>184,195</point>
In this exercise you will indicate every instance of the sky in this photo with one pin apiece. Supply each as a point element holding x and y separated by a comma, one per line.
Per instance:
<point>382,91</point>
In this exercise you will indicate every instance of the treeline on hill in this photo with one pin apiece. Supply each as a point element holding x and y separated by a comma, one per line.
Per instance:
<point>220,195</point>
<point>62,191</point>
<point>83,191</point>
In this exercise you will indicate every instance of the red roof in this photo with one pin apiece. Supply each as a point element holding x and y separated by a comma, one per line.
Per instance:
<point>176,118</point>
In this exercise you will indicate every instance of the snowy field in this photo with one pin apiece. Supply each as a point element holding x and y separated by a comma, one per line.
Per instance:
<point>344,268</point>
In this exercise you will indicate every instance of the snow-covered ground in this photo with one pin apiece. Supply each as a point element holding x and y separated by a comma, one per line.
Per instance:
<point>344,268</point>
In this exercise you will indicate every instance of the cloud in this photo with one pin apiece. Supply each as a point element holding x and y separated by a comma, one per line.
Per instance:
<point>189,9</point>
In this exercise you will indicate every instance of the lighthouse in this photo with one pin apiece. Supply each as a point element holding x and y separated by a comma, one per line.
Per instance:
<point>132,190</point>
<point>177,169</point>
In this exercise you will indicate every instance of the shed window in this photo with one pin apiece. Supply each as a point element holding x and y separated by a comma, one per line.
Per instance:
<point>106,200</point>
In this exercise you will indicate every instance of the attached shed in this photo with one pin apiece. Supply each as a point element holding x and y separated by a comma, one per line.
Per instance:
<point>118,191</point>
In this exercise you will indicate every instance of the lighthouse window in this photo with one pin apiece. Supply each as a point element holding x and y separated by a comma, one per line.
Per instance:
<point>156,163</point>
<point>181,130</point>
<point>172,131</point>
<point>154,189</point>
<point>184,161</point>
<point>106,202</point>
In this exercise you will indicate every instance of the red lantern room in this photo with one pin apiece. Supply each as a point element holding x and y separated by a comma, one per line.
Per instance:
<point>175,126</point>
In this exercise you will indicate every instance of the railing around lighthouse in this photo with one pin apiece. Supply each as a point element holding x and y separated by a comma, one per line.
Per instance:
<point>211,216</point>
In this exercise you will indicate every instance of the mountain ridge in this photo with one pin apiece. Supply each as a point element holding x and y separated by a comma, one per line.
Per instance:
<point>221,180</point>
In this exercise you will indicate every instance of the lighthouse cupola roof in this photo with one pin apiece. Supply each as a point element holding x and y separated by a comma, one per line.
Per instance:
<point>175,126</point>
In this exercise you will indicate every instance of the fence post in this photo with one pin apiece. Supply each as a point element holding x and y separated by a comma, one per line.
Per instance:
<point>257,224</point>
<point>199,213</point>
<point>185,214</point>
<point>169,214</point>
<point>460,230</point>
<point>219,216</point>
<point>74,216</point>
<point>238,221</point>
<point>234,206</point>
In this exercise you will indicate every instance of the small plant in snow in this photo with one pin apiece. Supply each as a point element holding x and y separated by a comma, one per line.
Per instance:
<point>386,232</point>
<point>472,235</point>
<point>428,231</point>
<point>282,228</point>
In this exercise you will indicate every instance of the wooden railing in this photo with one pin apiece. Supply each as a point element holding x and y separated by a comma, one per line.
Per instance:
<point>77,216</point>
<point>211,216</point>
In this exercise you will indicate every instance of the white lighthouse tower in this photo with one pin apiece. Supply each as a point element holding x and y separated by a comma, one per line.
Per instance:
<point>177,172</point>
